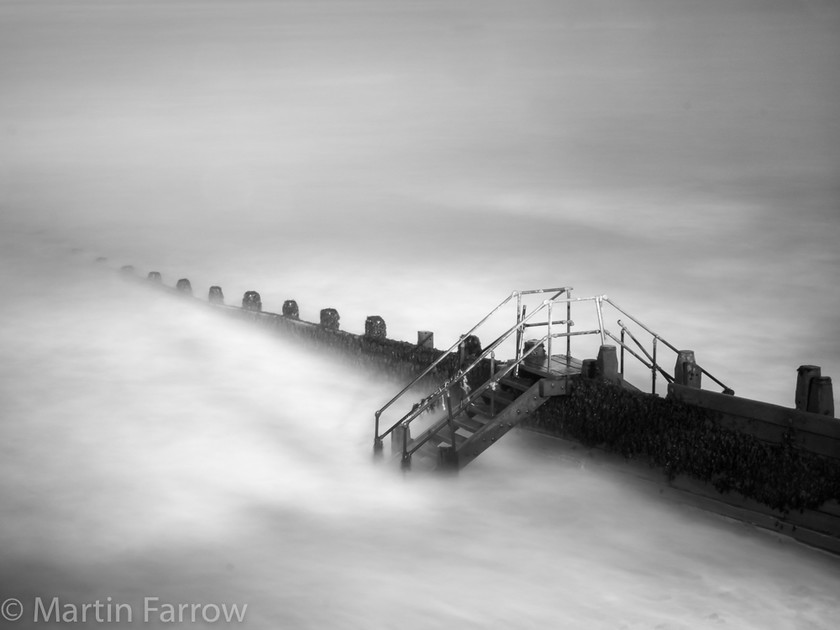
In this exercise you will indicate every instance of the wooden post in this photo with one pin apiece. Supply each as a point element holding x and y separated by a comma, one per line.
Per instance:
<point>397,438</point>
<point>290,309</point>
<point>686,371</point>
<point>589,369</point>
<point>468,350</point>
<point>329,318</point>
<point>608,363</point>
<point>447,458</point>
<point>804,375</point>
<point>375,327</point>
<point>252,301</point>
<point>215,295</point>
<point>821,396</point>
<point>183,285</point>
<point>538,356</point>
<point>426,339</point>
<point>154,276</point>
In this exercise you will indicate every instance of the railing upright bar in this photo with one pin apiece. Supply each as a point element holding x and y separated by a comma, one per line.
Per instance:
<point>653,369</point>
<point>621,364</point>
<point>406,456</point>
<point>449,418</point>
<point>548,343</point>
<point>600,318</point>
<point>569,329</point>
<point>640,358</point>
<point>624,330</point>
<point>650,363</point>
<point>492,374</point>
<point>520,337</point>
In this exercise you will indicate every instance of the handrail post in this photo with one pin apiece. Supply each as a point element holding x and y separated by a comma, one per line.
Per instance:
<point>493,385</point>
<point>622,352</point>
<point>377,441</point>
<point>449,418</point>
<point>405,463</point>
<point>548,342</point>
<point>600,318</point>
<point>569,328</point>
<point>653,370</point>
<point>518,321</point>
<point>520,316</point>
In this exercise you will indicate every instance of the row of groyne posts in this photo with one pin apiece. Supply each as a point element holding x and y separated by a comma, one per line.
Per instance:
<point>375,327</point>
<point>814,392</point>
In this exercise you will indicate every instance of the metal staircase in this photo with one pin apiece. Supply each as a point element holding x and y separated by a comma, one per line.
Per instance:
<point>484,398</point>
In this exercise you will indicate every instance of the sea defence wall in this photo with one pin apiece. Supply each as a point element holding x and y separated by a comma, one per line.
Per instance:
<point>697,453</point>
<point>772,466</point>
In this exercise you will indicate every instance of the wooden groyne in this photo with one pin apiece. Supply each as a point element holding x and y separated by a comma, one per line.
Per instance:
<point>773,466</point>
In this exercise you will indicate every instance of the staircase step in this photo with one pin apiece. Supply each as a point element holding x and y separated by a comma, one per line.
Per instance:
<point>516,382</point>
<point>481,408</point>
<point>445,437</point>
<point>500,424</point>
<point>471,424</point>
<point>501,397</point>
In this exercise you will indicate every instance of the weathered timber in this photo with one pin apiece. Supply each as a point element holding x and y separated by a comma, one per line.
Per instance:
<point>814,433</point>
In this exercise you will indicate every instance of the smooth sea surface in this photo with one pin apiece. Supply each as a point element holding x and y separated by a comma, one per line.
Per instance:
<point>417,161</point>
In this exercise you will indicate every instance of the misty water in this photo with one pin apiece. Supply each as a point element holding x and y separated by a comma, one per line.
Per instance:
<point>418,161</point>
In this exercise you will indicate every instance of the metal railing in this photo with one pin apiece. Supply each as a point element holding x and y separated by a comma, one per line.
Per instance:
<point>459,378</point>
<point>649,358</point>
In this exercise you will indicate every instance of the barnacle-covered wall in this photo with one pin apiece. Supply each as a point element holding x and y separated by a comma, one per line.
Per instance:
<point>686,439</point>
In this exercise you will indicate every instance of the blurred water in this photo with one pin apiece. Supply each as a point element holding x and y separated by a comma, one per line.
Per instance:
<point>153,448</point>
<point>418,161</point>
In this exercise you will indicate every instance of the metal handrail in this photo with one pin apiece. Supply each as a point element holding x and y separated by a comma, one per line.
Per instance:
<point>638,323</point>
<point>462,374</point>
<point>656,338</point>
<point>420,440</point>
<point>653,366</point>
<point>428,370</point>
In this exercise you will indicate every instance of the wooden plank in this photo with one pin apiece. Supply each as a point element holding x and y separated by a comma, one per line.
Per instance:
<point>554,387</point>
<point>767,412</point>
<point>563,365</point>
<point>502,398</point>
<point>556,365</point>
<point>515,382</point>
<point>471,424</point>
<point>767,422</point>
